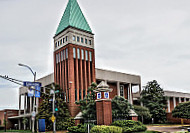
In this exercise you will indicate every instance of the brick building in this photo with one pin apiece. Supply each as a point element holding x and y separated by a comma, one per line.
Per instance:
<point>74,68</point>
<point>174,98</point>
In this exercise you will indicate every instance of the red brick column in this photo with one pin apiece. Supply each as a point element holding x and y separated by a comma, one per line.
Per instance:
<point>104,112</point>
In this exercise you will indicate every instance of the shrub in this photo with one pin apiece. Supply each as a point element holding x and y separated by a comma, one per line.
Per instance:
<point>143,113</point>
<point>106,129</point>
<point>120,108</point>
<point>182,110</point>
<point>77,129</point>
<point>130,126</point>
<point>81,128</point>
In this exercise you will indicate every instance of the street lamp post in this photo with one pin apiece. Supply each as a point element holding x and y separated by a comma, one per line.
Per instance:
<point>34,74</point>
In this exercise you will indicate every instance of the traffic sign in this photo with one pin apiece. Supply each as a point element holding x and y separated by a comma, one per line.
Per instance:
<point>36,85</point>
<point>30,93</point>
<point>99,95</point>
<point>53,118</point>
<point>106,95</point>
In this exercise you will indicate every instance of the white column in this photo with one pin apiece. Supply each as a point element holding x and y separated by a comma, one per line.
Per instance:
<point>30,104</point>
<point>19,104</point>
<point>140,88</point>
<point>168,104</point>
<point>185,99</point>
<point>19,124</point>
<point>140,93</point>
<point>174,101</point>
<point>24,104</point>
<point>179,99</point>
<point>118,88</point>
<point>130,94</point>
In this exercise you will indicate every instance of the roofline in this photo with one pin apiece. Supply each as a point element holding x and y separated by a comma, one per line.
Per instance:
<point>9,110</point>
<point>117,72</point>
<point>74,28</point>
<point>176,92</point>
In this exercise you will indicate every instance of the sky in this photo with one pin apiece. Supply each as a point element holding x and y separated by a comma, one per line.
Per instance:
<point>149,38</point>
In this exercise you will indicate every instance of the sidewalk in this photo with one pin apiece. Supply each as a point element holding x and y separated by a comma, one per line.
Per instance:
<point>168,128</point>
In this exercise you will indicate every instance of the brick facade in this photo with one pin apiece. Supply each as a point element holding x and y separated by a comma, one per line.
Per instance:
<point>74,74</point>
<point>104,112</point>
<point>9,113</point>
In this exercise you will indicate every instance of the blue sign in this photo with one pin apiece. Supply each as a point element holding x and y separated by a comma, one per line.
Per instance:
<point>30,93</point>
<point>37,86</point>
<point>37,92</point>
<point>42,126</point>
<point>106,95</point>
<point>99,95</point>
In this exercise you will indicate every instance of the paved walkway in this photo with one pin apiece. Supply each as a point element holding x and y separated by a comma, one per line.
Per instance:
<point>168,128</point>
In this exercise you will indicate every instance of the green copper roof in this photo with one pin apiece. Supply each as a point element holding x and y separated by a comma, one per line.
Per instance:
<point>74,17</point>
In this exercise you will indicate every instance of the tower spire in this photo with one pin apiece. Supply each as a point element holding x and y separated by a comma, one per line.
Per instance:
<point>73,17</point>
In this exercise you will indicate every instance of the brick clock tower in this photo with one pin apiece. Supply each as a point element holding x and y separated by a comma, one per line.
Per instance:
<point>74,61</point>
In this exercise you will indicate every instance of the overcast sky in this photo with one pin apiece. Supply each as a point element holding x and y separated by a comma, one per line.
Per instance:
<point>150,38</point>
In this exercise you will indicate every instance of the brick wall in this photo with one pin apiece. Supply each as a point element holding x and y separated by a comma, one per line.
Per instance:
<point>176,120</point>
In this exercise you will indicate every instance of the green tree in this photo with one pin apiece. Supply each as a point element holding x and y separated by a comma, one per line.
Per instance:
<point>182,110</point>
<point>63,120</point>
<point>120,108</point>
<point>88,104</point>
<point>143,113</point>
<point>153,98</point>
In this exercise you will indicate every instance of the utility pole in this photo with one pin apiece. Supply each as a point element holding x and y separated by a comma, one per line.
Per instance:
<point>53,109</point>
<point>34,74</point>
<point>33,121</point>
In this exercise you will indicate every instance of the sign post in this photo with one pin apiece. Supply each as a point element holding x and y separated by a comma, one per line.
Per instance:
<point>35,94</point>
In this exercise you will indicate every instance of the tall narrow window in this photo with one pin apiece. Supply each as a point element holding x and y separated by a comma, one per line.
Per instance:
<point>84,94</point>
<point>74,38</point>
<point>74,53</point>
<point>82,40</point>
<point>90,42</point>
<point>86,54</point>
<point>66,53</point>
<point>67,95</point>
<point>78,39</point>
<point>59,57</point>
<point>78,53</point>
<point>90,54</point>
<point>79,94</point>
<point>86,41</point>
<point>63,54</point>
<point>56,58</point>
<point>75,94</point>
<point>61,41</point>
<point>66,38</point>
<point>56,44</point>
<point>82,52</point>
<point>122,90</point>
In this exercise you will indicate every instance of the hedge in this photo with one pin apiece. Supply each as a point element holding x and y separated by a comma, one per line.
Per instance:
<point>130,126</point>
<point>106,129</point>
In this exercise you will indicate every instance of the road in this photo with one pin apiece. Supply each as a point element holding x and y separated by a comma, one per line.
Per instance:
<point>168,128</point>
